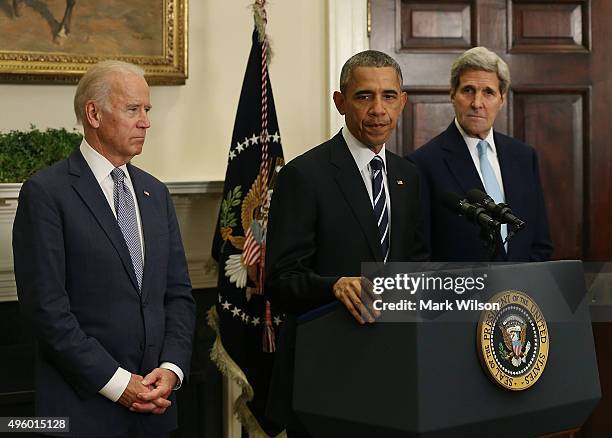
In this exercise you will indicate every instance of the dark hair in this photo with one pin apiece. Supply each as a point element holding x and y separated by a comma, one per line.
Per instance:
<point>368,58</point>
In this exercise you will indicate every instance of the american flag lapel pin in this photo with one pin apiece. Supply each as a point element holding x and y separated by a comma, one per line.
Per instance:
<point>400,182</point>
<point>146,193</point>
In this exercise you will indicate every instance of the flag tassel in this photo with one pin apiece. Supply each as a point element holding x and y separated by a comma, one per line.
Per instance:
<point>269,338</point>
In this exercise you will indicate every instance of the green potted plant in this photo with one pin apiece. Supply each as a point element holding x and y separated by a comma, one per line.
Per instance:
<point>23,153</point>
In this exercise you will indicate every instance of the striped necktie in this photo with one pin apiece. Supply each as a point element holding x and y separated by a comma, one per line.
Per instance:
<point>380,204</point>
<point>126,218</point>
<point>490,182</point>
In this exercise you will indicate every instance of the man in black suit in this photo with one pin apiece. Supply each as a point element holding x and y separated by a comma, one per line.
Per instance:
<point>344,202</point>
<point>101,272</point>
<point>471,155</point>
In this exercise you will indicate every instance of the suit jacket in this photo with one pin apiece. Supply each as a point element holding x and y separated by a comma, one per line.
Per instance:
<point>445,165</point>
<point>77,289</point>
<point>322,227</point>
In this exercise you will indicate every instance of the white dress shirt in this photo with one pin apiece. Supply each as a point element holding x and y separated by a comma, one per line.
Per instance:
<point>362,156</point>
<point>102,168</point>
<point>472,144</point>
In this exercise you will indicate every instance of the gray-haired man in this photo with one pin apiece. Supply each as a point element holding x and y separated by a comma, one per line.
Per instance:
<point>101,273</point>
<point>471,155</point>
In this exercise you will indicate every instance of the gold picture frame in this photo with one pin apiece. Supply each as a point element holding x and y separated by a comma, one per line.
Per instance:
<point>23,61</point>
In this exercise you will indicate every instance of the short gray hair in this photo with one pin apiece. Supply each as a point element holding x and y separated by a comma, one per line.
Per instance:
<point>96,85</point>
<point>368,58</point>
<point>480,58</point>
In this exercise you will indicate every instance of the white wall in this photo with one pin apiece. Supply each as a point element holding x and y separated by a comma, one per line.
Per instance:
<point>192,124</point>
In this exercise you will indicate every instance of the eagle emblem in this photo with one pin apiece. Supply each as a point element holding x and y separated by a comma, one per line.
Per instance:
<point>246,265</point>
<point>514,334</point>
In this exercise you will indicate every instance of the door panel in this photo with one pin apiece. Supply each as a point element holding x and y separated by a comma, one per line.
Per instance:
<point>556,121</point>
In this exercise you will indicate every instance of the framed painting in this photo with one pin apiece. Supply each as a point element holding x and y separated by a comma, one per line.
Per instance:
<point>55,41</point>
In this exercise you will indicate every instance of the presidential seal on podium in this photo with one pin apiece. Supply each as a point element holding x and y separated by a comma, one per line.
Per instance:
<point>513,341</point>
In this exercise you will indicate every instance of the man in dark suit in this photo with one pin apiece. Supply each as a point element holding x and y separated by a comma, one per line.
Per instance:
<point>344,202</point>
<point>471,155</point>
<point>101,272</point>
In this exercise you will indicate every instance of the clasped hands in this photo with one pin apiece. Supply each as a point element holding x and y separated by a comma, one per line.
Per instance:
<point>356,293</point>
<point>149,394</point>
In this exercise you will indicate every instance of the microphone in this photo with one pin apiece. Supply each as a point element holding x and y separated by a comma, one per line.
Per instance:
<point>473,213</point>
<point>501,211</point>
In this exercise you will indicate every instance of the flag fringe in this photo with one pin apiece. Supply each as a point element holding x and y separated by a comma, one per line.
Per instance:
<point>226,365</point>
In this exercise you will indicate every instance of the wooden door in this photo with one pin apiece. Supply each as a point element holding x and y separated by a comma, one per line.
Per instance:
<point>560,58</point>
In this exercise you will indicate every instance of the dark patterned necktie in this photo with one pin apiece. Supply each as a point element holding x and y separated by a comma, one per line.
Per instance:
<point>380,204</point>
<point>126,218</point>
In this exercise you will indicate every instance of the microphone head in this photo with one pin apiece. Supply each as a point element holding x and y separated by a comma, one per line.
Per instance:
<point>452,201</point>
<point>473,213</point>
<point>477,196</point>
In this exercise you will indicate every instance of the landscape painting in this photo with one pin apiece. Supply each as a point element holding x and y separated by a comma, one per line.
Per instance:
<point>56,40</point>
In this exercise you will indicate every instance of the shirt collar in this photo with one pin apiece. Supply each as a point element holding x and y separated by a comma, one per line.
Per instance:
<point>472,142</point>
<point>98,164</point>
<point>360,152</point>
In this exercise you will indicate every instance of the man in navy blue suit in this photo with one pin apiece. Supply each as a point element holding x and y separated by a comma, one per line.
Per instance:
<point>101,272</point>
<point>471,155</point>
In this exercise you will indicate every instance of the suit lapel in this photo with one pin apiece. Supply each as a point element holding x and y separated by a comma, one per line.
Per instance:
<point>149,218</point>
<point>351,185</point>
<point>90,192</point>
<point>510,170</point>
<point>399,206</point>
<point>459,161</point>
<point>511,173</point>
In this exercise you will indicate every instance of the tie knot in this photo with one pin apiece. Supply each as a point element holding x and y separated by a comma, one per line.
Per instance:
<point>117,175</point>
<point>376,163</point>
<point>482,147</point>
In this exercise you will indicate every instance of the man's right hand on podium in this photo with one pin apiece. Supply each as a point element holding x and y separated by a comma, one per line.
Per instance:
<point>357,296</point>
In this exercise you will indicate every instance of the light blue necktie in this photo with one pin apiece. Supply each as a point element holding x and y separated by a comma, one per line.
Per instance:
<point>490,181</point>
<point>126,218</point>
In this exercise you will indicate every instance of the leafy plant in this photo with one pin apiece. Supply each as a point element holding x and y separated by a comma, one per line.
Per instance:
<point>23,153</point>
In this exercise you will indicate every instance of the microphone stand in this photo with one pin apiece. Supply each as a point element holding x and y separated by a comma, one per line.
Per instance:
<point>492,238</point>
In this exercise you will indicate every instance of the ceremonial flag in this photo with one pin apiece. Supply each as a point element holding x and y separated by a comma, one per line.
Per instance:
<point>245,321</point>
